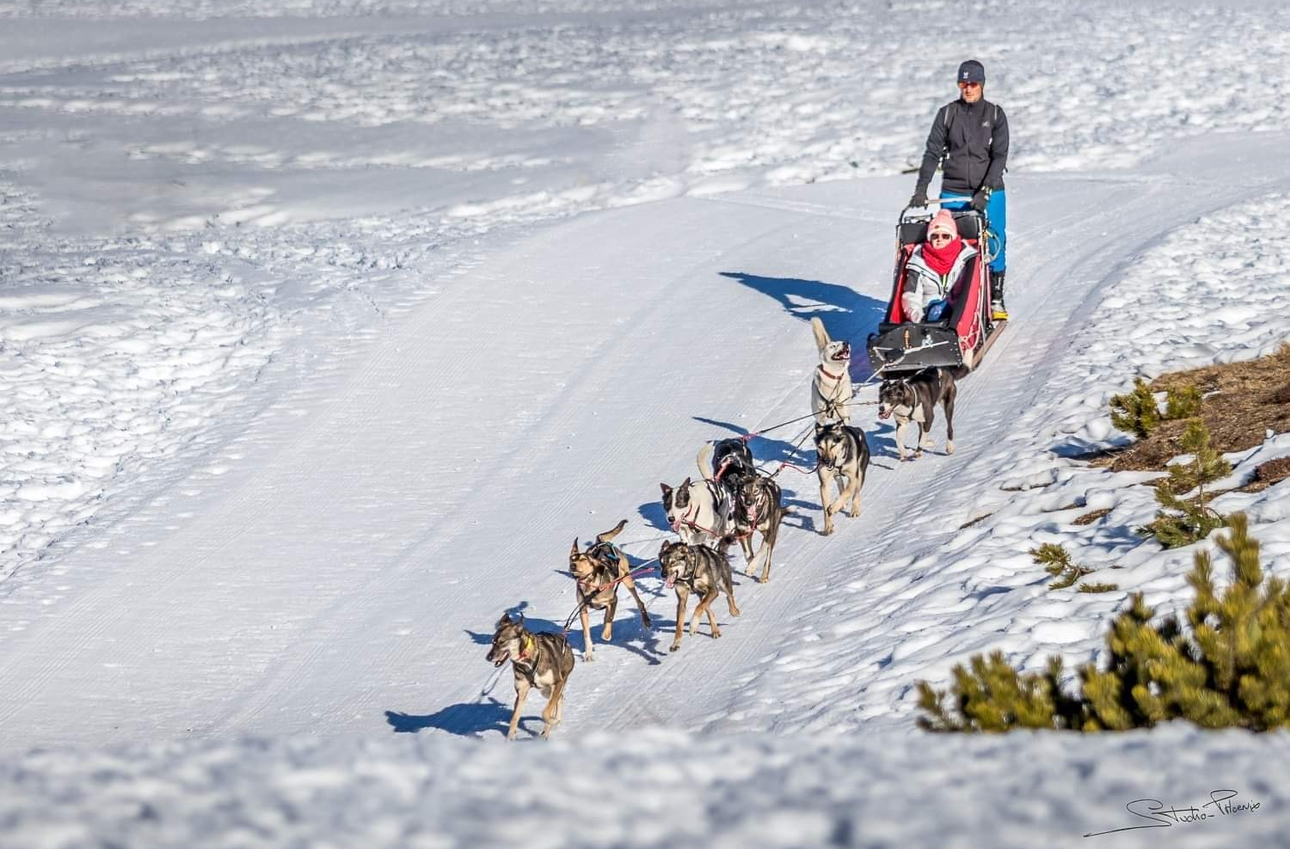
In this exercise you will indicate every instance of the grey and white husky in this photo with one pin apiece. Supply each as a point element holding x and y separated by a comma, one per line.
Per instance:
<point>842,456</point>
<point>698,569</point>
<point>544,661</point>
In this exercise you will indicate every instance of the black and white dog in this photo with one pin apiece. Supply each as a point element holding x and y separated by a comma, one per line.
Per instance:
<point>914,399</point>
<point>699,512</point>
<point>842,456</point>
<point>731,459</point>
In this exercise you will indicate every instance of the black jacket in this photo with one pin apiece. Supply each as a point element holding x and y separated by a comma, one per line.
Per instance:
<point>973,139</point>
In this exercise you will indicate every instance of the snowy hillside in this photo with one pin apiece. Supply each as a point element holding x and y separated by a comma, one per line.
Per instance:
<point>323,334</point>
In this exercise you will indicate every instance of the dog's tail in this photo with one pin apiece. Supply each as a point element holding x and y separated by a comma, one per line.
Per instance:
<point>612,532</point>
<point>705,461</point>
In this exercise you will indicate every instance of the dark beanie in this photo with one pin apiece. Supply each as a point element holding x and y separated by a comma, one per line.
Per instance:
<point>971,71</point>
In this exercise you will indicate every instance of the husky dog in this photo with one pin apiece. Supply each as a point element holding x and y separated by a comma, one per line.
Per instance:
<point>732,462</point>
<point>914,399</point>
<point>831,385</point>
<point>538,660</point>
<point>759,506</point>
<point>842,455</point>
<point>599,570</point>
<point>699,511</point>
<point>700,569</point>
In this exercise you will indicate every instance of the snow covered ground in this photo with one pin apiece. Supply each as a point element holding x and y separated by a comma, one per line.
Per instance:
<point>314,364</point>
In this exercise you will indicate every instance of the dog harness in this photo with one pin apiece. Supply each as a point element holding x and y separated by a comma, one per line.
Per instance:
<point>528,645</point>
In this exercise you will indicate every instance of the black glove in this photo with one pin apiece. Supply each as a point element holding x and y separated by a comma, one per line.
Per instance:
<point>919,198</point>
<point>980,200</point>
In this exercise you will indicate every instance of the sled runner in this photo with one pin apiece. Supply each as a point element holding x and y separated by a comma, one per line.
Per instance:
<point>963,332</point>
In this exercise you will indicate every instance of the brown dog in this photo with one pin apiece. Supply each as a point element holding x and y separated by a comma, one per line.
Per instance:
<point>700,569</point>
<point>538,660</point>
<point>599,570</point>
<point>759,507</point>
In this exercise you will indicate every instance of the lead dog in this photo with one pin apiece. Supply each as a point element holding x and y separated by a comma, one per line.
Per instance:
<point>831,382</point>
<point>599,570</point>
<point>699,511</point>
<point>914,400</point>
<point>699,569</point>
<point>842,456</point>
<point>538,660</point>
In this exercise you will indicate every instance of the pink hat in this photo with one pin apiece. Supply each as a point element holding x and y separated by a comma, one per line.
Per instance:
<point>944,222</point>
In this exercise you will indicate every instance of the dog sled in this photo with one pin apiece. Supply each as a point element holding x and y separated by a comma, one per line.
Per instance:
<point>963,332</point>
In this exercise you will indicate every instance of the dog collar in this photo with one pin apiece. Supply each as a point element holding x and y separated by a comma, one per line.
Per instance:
<point>829,373</point>
<point>528,647</point>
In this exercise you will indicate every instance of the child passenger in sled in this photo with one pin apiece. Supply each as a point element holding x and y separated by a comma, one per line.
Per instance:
<point>933,268</point>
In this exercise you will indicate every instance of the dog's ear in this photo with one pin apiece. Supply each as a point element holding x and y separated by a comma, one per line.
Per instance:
<point>667,490</point>
<point>505,620</point>
<point>573,552</point>
<point>820,427</point>
<point>821,335</point>
<point>663,551</point>
<point>685,484</point>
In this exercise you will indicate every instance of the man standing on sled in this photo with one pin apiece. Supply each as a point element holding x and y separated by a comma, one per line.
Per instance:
<point>971,135</point>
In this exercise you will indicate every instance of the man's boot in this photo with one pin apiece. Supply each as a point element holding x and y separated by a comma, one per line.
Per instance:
<point>998,312</point>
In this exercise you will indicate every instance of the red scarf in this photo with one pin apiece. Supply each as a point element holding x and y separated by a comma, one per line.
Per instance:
<point>941,259</point>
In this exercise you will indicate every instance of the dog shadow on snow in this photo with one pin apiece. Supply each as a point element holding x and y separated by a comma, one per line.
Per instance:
<point>846,313</point>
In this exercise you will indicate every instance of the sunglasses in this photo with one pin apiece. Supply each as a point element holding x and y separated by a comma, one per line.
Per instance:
<point>940,237</point>
<point>969,85</point>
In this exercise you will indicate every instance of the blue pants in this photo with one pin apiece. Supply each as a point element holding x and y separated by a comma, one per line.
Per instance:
<point>996,209</point>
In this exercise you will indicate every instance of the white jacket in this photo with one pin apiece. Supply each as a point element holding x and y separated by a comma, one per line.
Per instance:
<point>922,285</point>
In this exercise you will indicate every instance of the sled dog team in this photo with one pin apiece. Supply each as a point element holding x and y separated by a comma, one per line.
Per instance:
<point>731,500</point>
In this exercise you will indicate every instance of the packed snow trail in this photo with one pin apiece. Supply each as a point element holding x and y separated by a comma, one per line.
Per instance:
<point>345,575</point>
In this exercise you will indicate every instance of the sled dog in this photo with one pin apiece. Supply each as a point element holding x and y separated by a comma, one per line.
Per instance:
<point>538,660</point>
<point>831,382</point>
<point>842,456</point>
<point>599,570</point>
<point>699,511</point>
<point>914,399</point>
<point>698,569</point>
<point>759,507</point>
<point>731,462</point>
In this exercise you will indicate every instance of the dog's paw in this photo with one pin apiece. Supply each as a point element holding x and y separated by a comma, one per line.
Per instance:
<point>588,657</point>
<point>647,623</point>
<point>674,647</point>
<point>716,635</point>
<point>949,447</point>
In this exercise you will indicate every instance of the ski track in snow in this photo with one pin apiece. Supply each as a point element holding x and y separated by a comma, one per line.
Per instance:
<point>300,397</point>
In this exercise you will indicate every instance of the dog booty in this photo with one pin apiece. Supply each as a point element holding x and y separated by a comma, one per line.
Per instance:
<point>935,310</point>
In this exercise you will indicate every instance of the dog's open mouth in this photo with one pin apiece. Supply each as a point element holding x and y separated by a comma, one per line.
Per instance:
<point>669,582</point>
<point>884,412</point>
<point>843,354</point>
<point>498,663</point>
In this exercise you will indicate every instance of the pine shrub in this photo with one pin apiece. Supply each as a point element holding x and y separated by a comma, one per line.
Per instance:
<point>1182,403</point>
<point>1228,667</point>
<point>1057,562</point>
<point>1183,520</point>
<point>1135,412</point>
